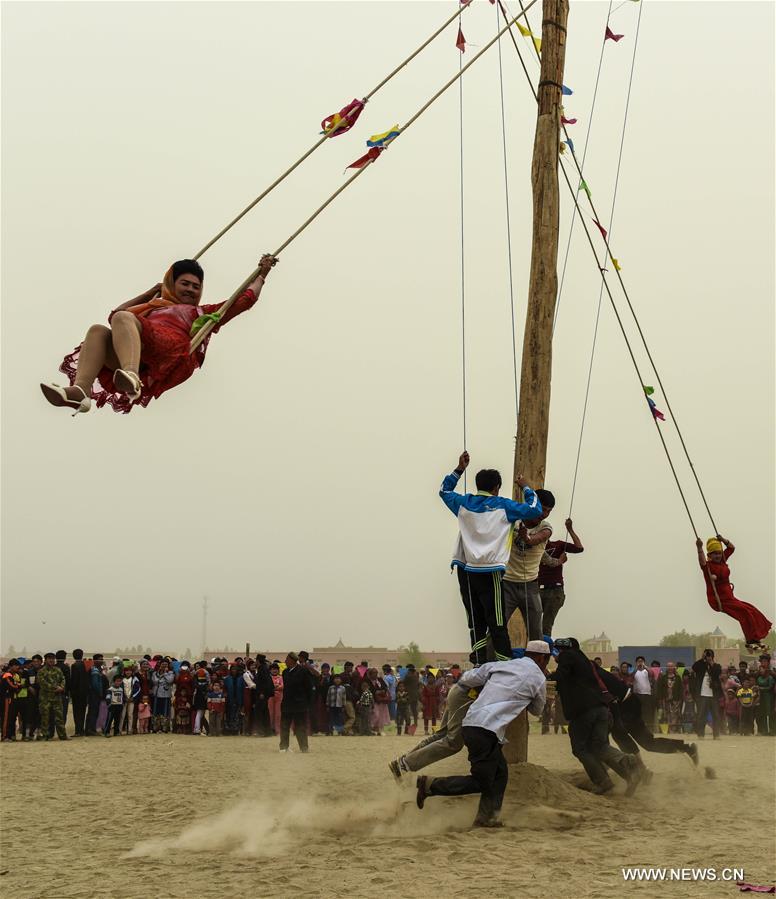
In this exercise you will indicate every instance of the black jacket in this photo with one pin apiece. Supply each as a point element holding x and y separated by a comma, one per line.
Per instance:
<point>298,689</point>
<point>699,669</point>
<point>263,678</point>
<point>65,669</point>
<point>79,680</point>
<point>577,686</point>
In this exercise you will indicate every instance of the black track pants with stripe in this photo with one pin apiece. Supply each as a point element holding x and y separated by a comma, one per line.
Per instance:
<point>484,604</point>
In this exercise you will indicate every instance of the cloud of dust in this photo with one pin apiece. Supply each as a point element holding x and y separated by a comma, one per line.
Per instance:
<point>264,829</point>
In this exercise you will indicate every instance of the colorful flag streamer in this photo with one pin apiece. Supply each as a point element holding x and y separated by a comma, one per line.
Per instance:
<point>566,91</point>
<point>349,113</point>
<point>382,140</point>
<point>368,157</point>
<point>601,229</point>
<point>656,413</point>
<point>611,36</point>
<point>537,43</point>
<point>583,186</point>
<point>616,264</point>
<point>570,142</point>
<point>565,121</point>
<point>648,391</point>
<point>526,32</point>
<point>460,41</point>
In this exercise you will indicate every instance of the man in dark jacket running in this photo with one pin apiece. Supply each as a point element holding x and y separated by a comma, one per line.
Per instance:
<point>584,702</point>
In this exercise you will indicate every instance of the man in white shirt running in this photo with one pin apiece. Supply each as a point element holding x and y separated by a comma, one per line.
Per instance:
<point>508,688</point>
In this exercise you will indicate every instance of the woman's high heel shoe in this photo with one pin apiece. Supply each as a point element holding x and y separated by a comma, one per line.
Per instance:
<point>57,396</point>
<point>127,382</point>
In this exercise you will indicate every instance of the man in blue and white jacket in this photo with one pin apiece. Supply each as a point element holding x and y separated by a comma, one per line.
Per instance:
<point>485,524</point>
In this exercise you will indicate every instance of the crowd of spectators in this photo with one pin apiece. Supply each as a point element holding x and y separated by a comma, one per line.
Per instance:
<point>244,696</point>
<point>253,697</point>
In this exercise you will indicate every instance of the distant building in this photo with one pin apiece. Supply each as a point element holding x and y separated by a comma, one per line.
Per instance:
<point>376,656</point>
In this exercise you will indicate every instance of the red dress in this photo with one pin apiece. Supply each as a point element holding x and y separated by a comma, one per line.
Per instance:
<point>165,361</point>
<point>753,623</point>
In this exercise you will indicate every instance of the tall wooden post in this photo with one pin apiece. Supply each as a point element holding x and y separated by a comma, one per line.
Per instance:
<point>536,370</point>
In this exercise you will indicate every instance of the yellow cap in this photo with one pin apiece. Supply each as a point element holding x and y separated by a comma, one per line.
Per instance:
<point>713,545</point>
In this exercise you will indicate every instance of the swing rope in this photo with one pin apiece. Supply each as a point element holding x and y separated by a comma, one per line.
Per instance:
<point>463,252</point>
<point>611,227</point>
<point>617,315</point>
<point>332,132</point>
<point>208,326</point>
<point>508,226</point>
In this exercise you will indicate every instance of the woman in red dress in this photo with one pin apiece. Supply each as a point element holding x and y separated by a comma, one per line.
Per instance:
<point>145,351</point>
<point>719,591</point>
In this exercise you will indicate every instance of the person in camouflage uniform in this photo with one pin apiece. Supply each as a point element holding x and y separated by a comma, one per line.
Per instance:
<point>51,682</point>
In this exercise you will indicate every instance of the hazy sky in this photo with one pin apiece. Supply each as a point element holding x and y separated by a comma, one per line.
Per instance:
<point>294,479</point>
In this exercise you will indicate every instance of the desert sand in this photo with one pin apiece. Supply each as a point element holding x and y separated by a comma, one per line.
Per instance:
<point>181,816</point>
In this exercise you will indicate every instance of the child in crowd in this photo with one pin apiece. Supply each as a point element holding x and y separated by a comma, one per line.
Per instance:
<point>199,700</point>
<point>182,705</point>
<point>732,711</point>
<point>131,686</point>
<point>143,715</point>
<point>115,700</point>
<point>430,698</point>
<point>746,699</point>
<point>335,701</point>
<point>365,703</point>
<point>402,709</point>
<point>216,703</point>
<point>275,701</point>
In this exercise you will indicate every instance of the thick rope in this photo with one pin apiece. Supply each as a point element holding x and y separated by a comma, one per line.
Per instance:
<point>509,227</point>
<point>602,270</point>
<point>611,227</point>
<point>331,133</point>
<point>463,256</point>
<point>208,327</point>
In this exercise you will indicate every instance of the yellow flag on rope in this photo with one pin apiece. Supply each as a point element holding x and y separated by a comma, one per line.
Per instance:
<point>526,32</point>
<point>538,44</point>
<point>616,264</point>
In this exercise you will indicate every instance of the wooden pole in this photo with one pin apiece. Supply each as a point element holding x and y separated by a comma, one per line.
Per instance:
<point>536,370</point>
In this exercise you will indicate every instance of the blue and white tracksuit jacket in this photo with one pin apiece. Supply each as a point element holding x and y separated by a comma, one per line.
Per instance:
<point>485,525</point>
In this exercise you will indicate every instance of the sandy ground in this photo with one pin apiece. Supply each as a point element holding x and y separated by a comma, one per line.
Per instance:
<point>214,817</point>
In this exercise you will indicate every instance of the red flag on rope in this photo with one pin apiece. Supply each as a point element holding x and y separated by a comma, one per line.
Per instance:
<point>601,229</point>
<point>368,157</point>
<point>460,41</point>
<point>348,114</point>
<point>611,36</point>
<point>565,121</point>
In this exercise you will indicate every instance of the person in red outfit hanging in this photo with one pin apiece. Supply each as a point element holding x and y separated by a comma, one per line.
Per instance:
<point>145,351</point>
<point>719,590</point>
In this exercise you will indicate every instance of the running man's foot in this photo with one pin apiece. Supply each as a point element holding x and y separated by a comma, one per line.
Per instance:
<point>398,767</point>
<point>635,776</point>
<point>487,822</point>
<point>423,793</point>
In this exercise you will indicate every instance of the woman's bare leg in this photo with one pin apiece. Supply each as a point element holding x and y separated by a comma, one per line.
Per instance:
<point>126,331</point>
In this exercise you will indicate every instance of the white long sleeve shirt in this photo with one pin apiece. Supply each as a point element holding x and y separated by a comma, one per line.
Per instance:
<point>507,689</point>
